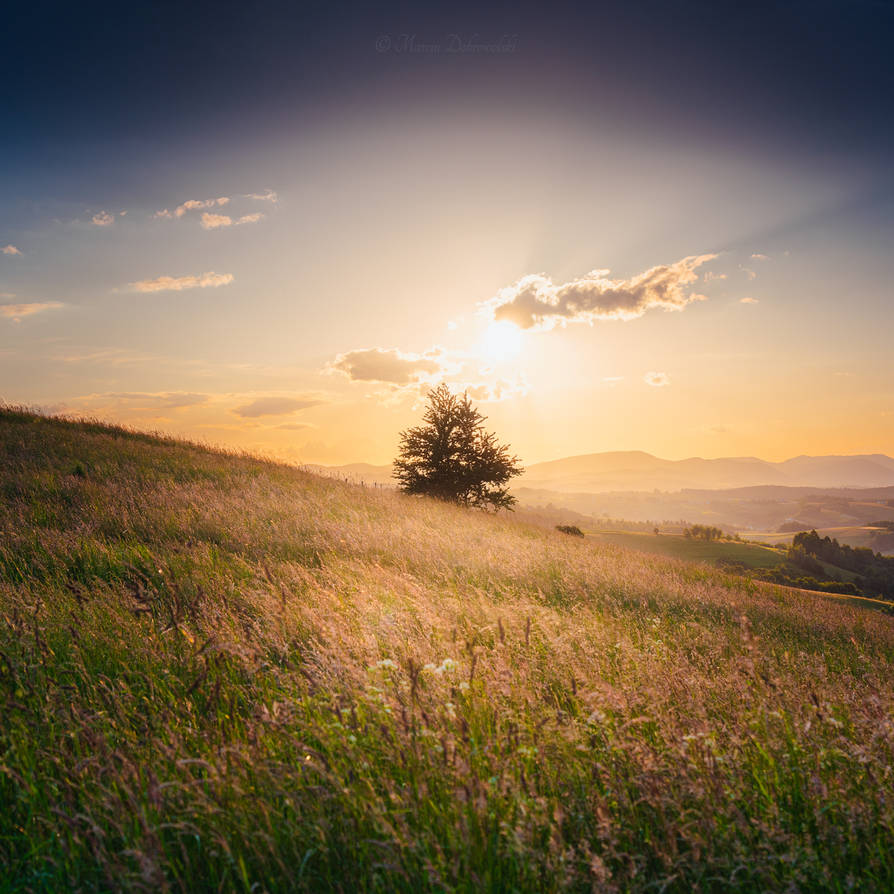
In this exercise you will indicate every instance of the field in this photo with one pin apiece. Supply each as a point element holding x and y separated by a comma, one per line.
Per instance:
<point>678,547</point>
<point>219,673</point>
<point>852,535</point>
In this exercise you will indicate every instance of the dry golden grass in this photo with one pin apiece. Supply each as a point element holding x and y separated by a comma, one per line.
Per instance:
<point>221,673</point>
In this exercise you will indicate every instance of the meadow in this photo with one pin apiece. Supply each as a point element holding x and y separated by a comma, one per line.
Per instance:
<point>219,673</point>
<point>751,555</point>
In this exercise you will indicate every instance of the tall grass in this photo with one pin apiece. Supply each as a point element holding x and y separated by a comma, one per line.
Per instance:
<point>219,673</point>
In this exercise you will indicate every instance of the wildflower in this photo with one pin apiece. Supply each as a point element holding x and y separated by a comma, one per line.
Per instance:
<point>384,664</point>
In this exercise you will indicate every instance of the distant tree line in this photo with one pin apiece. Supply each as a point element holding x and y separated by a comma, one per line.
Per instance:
<point>874,572</point>
<point>702,532</point>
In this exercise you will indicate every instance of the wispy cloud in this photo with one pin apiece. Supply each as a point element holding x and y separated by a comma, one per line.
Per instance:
<point>536,302</point>
<point>274,406</point>
<point>657,379</point>
<point>10,250</point>
<point>215,221</point>
<point>103,219</point>
<point>169,400</point>
<point>493,391</point>
<point>266,196</point>
<point>749,301</point>
<point>179,283</point>
<point>16,312</point>
<point>759,257</point>
<point>709,276</point>
<point>192,205</point>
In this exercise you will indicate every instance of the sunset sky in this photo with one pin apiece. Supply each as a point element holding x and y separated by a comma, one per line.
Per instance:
<point>662,227</point>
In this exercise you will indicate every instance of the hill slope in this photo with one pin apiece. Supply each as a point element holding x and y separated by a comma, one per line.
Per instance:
<point>218,673</point>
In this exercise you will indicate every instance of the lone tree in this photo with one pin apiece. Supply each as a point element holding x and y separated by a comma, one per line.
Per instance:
<point>453,458</point>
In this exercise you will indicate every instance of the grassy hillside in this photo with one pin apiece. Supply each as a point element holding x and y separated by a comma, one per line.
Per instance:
<point>218,673</point>
<point>748,554</point>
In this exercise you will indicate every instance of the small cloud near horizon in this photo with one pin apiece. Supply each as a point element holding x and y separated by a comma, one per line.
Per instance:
<point>103,219</point>
<point>657,379</point>
<point>389,366</point>
<point>169,400</point>
<point>179,283</point>
<point>274,406</point>
<point>749,300</point>
<point>759,257</point>
<point>10,250</point>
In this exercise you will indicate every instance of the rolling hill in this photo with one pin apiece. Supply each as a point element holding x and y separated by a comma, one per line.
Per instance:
<point>220,673</point>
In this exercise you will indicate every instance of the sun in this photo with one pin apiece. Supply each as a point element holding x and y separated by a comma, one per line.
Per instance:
<point>502,340</point>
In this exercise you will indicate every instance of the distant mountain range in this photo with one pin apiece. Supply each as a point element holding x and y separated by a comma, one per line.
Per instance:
<point>638,471</point>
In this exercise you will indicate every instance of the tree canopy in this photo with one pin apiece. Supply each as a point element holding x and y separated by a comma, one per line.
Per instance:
<point>453,458</point>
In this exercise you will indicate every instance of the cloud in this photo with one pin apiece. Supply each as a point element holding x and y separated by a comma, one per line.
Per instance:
<point>274,406</point>
<point>103,219</point>
<point>295,426</point>
<point>536,302</point>
<point>146,400</point>
<point>749,273</point>
<point>179,283</point>
<point>10,250</point>
<point>267,196</point>
<point>500,389</point>
<point>390,366</point>
<point>15,312</point>
<point>760,257</point>
<point>657,379</point>
<point>192,205</point>
<point>214,221</point>
<point>711,276</point>
<point>749,301</point>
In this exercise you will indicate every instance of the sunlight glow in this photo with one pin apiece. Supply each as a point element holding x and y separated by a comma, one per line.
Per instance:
<point>502,341</point>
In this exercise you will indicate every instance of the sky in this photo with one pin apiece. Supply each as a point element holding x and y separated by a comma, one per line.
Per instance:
<point>274,226</point>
